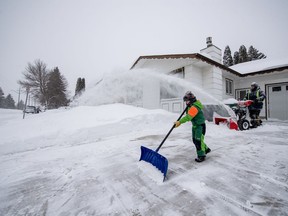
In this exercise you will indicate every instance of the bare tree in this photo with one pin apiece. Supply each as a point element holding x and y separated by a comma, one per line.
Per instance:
<point>36,79</point>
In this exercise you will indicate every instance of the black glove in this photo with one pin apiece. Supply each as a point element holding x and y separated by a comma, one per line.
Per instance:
<point>260,99</point>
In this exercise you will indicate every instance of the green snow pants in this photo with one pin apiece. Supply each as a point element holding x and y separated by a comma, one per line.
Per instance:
<point>198,133</point>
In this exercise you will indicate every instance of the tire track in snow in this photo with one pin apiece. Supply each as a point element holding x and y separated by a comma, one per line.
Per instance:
<point>216,194</point>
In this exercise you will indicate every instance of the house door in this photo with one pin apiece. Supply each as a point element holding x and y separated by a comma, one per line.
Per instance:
<point>278,101</point>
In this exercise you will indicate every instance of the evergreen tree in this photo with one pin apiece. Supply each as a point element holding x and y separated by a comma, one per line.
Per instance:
<point>56,89</point>
<point>80,86</point>
<point>20,105</point>
<point>236,58</point>
<point>227,57</point>
<point>254,54</point>
<point>243,55</point>
<point>261,56</point>
<point>9,102</point>
<point>83,85</point>
<point>2,98</point>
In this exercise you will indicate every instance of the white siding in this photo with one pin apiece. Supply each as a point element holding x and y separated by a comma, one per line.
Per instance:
<point>264,79</point>
<point>194,75</point>
<point>212,81</point>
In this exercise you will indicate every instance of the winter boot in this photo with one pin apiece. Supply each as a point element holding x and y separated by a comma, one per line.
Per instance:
<point>200,159</point>
<point>207,150</point>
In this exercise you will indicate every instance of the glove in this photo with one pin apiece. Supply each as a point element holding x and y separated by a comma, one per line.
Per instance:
<point>258,100</point>
<point>177,124</point>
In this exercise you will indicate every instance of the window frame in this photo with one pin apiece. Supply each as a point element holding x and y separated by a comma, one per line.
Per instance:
<point>229,86</point>
<point>237,93</point>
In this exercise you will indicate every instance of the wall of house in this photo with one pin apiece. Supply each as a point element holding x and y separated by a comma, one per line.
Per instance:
<point>209,78</point>
<point>212,81</point>
<point>261,79</point>
<point>193,74</point>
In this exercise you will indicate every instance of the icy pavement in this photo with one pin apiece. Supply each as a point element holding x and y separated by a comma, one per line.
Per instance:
<point>84,161</point>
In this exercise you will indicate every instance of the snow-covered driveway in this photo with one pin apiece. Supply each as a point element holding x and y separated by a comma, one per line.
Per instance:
<point>84,161</point>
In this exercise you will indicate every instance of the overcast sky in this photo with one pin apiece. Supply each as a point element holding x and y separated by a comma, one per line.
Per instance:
<point>85,38</point>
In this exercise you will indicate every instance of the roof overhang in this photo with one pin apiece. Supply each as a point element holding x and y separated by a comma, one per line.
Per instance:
<point>168,63</point>
<point>278,69</point>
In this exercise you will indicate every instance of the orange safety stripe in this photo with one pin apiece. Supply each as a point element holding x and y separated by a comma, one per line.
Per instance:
<point>193,111</point>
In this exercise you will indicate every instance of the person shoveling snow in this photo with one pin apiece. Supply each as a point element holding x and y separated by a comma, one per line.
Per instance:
<point>195,115</point>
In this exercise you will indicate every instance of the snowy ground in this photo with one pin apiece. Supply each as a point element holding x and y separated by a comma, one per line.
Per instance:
<point>84,161</point>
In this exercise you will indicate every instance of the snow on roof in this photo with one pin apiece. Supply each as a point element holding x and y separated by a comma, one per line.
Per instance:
<point>260,65</point>
<point>171,62</point>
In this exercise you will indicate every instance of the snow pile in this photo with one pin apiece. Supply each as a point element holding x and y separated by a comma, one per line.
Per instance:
<point>230,101</point>
<point>59,123</point>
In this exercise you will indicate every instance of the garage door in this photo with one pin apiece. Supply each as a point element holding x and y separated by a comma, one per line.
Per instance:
<point>174,105</point>
<point>278,101</point>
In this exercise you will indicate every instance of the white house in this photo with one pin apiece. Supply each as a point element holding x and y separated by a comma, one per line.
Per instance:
<point>205,70</point>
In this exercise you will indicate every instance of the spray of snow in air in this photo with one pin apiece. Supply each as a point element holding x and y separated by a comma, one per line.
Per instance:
<point>126,86</point>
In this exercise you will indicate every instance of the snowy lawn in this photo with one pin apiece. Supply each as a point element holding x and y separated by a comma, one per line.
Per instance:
<point>85,161</point>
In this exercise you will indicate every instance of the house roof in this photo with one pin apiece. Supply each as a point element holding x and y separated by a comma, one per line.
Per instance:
<point>261,66</point>
<point>174,61</point>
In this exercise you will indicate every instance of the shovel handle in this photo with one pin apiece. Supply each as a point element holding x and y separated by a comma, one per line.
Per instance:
<point>171,130</point>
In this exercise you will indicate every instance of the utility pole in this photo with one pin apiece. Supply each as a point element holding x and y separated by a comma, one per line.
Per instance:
<point>27,92</point>
<point>18,99</point>
<point>17,92</point>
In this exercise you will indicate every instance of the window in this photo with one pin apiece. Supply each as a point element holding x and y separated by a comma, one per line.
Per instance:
<point>180,73</point>
<point>276,89</point>
<point>240,94</point>
<point>229,87</point>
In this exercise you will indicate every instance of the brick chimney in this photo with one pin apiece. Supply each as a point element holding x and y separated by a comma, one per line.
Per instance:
<point>214,52</point>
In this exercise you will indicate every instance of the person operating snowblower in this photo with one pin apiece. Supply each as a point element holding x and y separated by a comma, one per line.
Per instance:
<point>195,114</point>
<point>257,96</point>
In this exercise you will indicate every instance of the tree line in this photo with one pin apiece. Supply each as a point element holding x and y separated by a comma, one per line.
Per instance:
<point>241,56</point>
<point>48,87</point>
<point>8,101</point>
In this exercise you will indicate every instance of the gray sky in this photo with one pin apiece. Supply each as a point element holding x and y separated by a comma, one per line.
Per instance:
<point>85,38</point>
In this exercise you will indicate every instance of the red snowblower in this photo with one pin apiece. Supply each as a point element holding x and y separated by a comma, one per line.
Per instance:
<point>241,111</point>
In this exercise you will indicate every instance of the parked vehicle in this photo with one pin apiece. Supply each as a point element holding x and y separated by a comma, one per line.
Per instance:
<point>31,109</point>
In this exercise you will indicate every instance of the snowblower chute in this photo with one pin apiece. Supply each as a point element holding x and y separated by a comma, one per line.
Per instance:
<point>154,157</point>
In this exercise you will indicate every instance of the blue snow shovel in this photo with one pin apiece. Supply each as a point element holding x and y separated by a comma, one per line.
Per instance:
<point>154,157</point>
